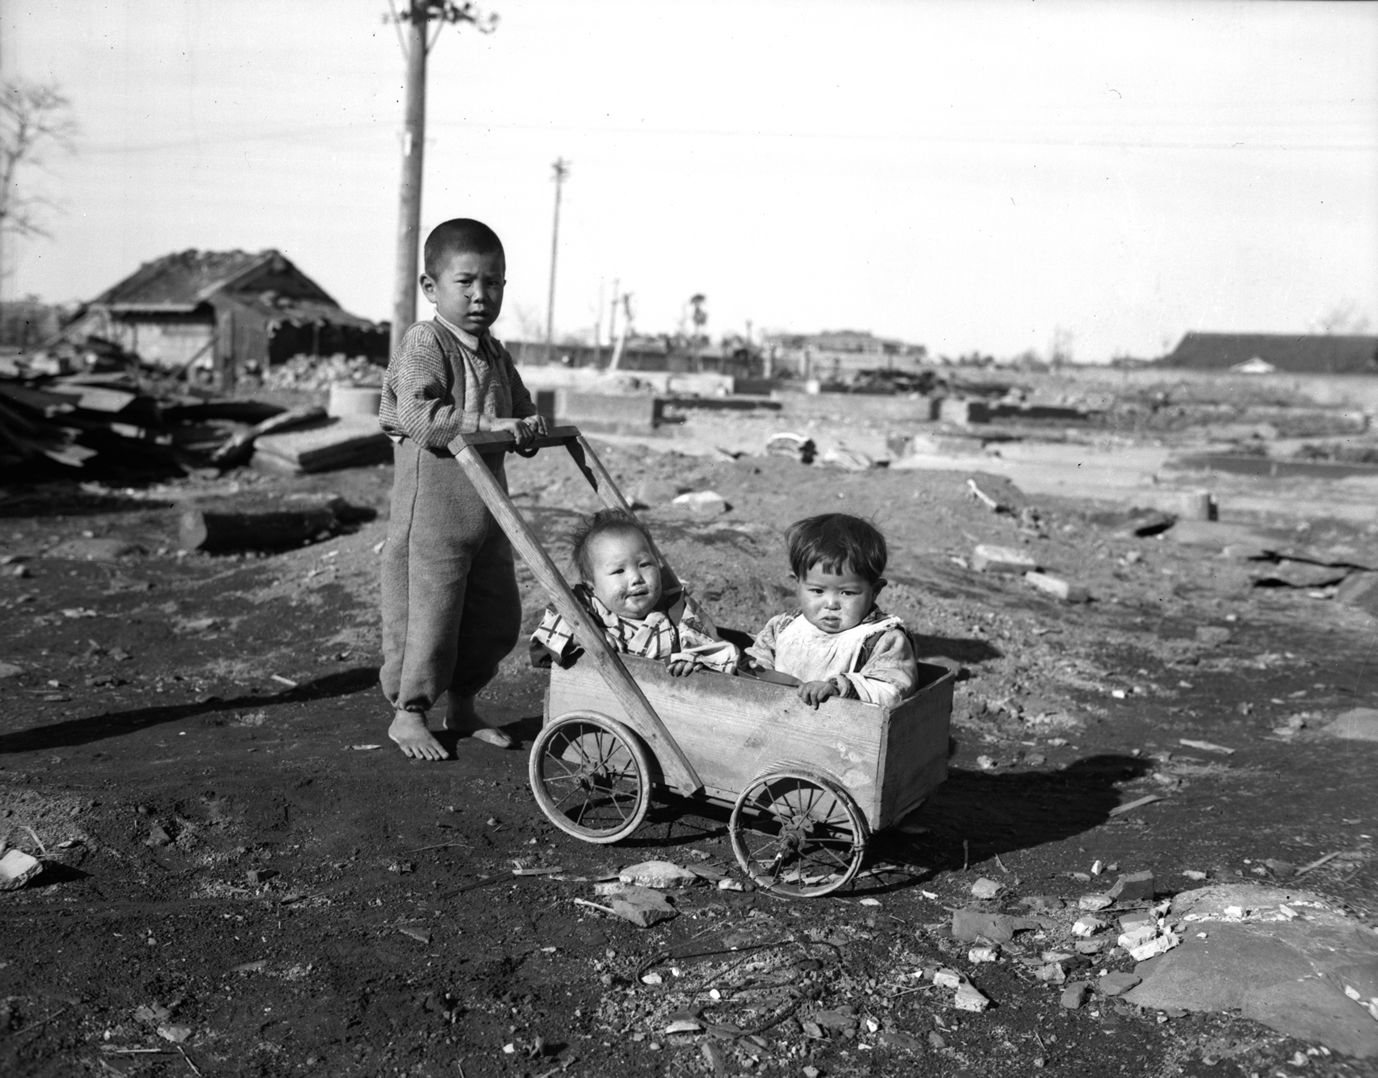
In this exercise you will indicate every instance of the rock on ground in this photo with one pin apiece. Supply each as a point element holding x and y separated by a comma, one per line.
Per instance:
<point>1283,958</point>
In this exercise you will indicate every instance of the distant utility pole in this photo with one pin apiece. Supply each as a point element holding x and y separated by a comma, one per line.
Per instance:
<point>417,40</point>
<point>561,167</point>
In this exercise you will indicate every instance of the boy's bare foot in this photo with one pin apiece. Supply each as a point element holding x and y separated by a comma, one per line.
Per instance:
<point>462,718</point>
<point>413,737</point>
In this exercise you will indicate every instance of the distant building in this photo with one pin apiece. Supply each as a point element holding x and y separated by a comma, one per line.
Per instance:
<point>839,355</point>
<point>226,312</point>
<point>1291,353</point>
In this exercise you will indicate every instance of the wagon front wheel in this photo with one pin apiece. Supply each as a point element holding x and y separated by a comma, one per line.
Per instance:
<point>591,777</point>
<point>797,834</point>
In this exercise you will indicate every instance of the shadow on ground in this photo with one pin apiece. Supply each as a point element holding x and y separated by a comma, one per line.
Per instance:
<point>975,815</point>
<point>114,724</point>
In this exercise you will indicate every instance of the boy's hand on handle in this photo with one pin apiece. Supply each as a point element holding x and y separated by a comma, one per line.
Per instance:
<point>524,431</point>
<point>683,667</point>
<point>814,693</point>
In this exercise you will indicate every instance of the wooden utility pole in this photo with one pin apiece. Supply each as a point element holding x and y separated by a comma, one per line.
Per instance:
<point>561,167</point>
<point>417,40</point>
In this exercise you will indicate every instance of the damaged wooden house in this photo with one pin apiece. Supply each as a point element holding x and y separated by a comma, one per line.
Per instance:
<point>224,314</point>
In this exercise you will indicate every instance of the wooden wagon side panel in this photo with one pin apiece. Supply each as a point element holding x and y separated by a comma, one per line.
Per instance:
<point>733,728</point>
<point>915,761</point>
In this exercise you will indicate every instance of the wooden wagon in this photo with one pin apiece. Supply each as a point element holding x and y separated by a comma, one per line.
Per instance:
<point>807,787</point>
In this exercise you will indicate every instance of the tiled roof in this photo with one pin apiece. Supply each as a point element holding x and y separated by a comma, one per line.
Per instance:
<point>184,279</point>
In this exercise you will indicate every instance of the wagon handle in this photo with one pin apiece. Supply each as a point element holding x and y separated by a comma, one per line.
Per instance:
<point>467,449</point>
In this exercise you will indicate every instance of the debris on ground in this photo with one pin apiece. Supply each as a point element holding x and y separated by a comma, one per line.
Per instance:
<point>1356,724</point>
<point>702,503</point>
<point>17,868</point>
<point>1057,587</point>
<point>1287,959</point>
<point>643,906</point>
<point>796,446</point>
<point>664,875</point>
<point>988,558</point>
<point>340,442</point>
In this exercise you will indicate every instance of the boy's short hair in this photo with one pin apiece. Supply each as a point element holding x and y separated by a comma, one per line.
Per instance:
<point>603,522</point>
<point>837,542</point>
<point>458,234</point>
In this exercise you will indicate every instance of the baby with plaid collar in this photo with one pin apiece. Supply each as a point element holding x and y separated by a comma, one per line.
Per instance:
<point>642,609</point>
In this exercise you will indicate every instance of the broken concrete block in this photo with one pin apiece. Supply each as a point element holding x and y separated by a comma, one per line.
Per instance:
<point>1356,724</point>
<point>1288,572</point>
<point>1154,947</point>
<point>703,503</point>
<point>1243,542</point>
<point>1133,887</point>
<point>1289,975</point>
<point>652,492</point>
<point>947,978</point>
<point>1087,926</point>
<point>994,927</point>
<point>1137,919</point>
<point>1074,995</point>
<point>1093,946</point>
<point>18,868</point>
<point>659,874</point>
<point>1094,902</point>
<point>953,410</point>
<point>615,412</point>
<point>1138,935</point>
<point>642,906</point>
<point>985,888</point>
<point>987,558</point>
<point>969,998</point>
<point>1058,588</point>
<point>1116,982</point>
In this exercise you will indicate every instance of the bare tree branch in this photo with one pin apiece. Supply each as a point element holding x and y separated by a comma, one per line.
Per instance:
<point>34,118</point>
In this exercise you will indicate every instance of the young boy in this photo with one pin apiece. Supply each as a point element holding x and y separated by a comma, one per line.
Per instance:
<point>620,584</point>
<point>838,643</point>
<point>450,606</point>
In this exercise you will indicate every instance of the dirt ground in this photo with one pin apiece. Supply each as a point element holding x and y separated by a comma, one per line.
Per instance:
<point>244,878</point>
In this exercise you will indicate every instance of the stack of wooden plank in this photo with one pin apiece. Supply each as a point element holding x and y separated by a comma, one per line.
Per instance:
<point>74,421</point>
<point>342,442</point>
<point>108,421</point>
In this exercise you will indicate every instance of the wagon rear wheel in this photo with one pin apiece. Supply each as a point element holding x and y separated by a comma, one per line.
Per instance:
<point>591,776</point>
<point>797,834</point>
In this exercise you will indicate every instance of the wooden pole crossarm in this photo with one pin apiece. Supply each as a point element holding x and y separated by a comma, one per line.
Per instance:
<point>467,450</point>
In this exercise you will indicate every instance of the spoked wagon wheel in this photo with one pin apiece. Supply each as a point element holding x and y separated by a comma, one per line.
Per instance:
<point>591,777</point>
<point>797,834</point>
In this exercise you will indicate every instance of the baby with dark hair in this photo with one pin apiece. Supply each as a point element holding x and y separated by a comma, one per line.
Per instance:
<point>642,609</point>
<point>838,642</point>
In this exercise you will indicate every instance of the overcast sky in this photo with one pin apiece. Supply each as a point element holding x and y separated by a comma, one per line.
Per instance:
<point>967,174</point>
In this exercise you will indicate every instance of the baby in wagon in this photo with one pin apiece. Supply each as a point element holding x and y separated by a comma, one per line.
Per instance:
<point>838,642</point>
<point>643,610</point>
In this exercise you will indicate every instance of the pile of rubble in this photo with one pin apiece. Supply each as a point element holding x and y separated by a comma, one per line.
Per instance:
<point>321,372</point>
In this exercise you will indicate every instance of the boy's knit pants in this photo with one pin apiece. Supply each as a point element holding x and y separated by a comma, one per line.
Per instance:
<point>450,605</point>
